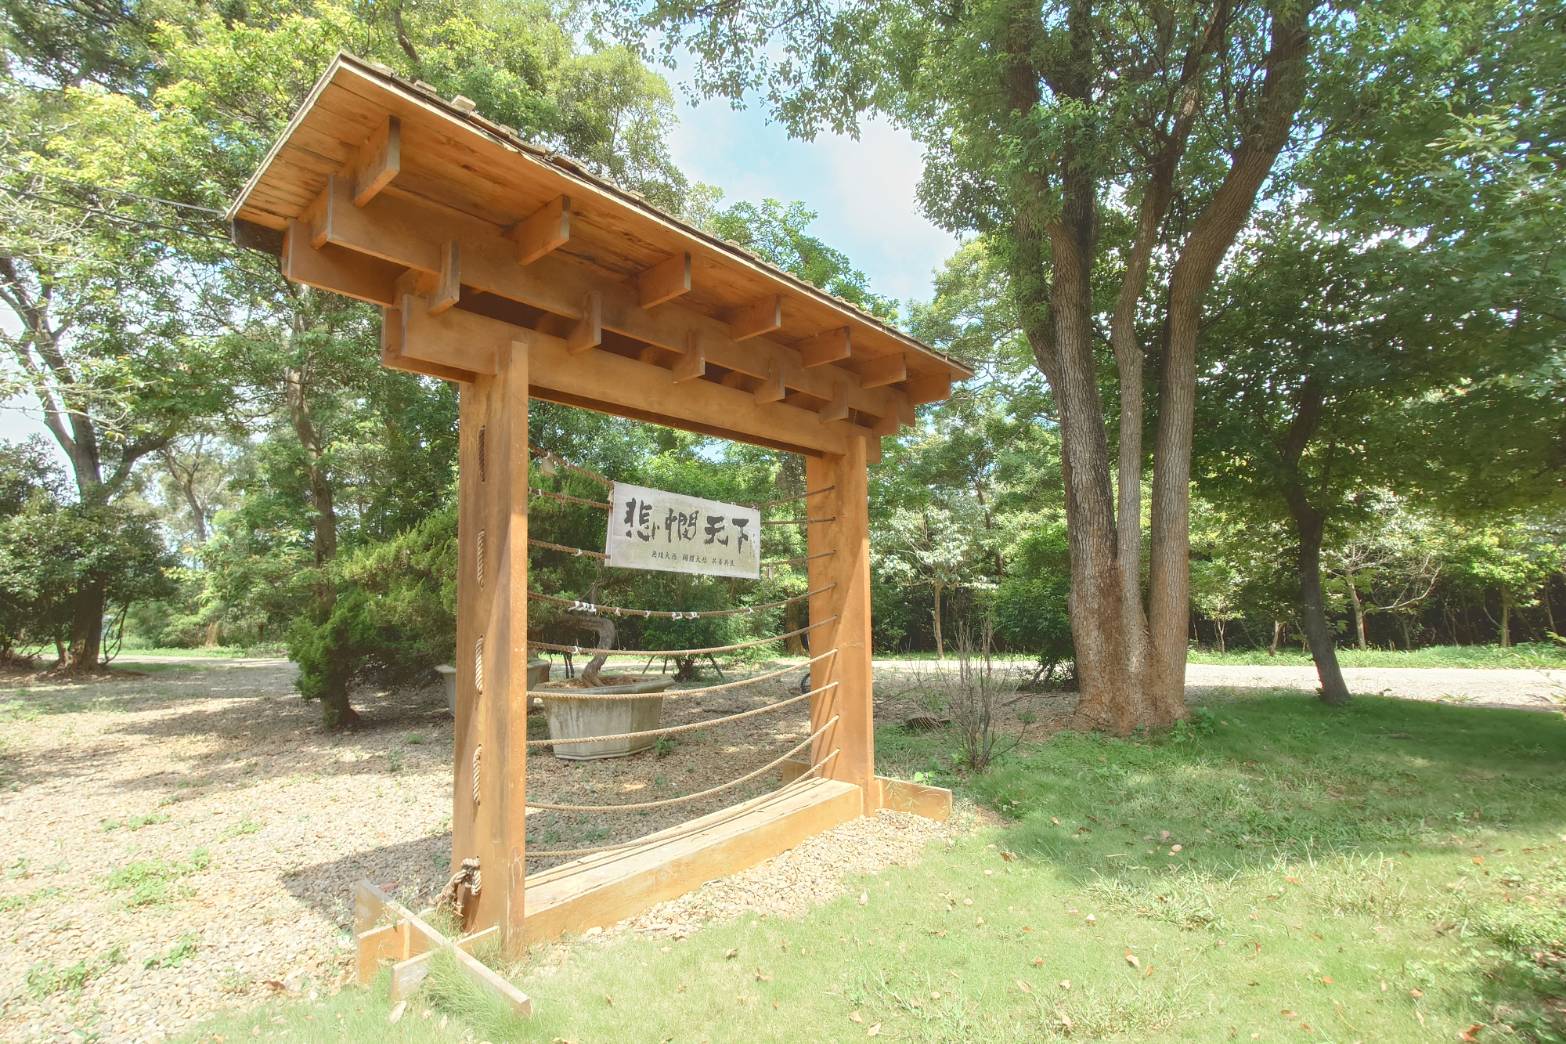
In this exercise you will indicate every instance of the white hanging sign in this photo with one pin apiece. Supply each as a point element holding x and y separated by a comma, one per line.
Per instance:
<point>653,529</point>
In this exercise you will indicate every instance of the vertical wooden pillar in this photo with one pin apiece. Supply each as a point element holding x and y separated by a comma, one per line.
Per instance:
<point>849,536</point>
<point>491,725</point>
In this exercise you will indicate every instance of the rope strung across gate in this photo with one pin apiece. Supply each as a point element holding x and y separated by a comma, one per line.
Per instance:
<point>566,498</point>
<point>577,469</point>
<point>693,726</point>
<point>579,552</point>
<point>777,795</point>
<point>698,795</point>
<point>577,650</point>
<point>668,614</point>
<point>585,695</point>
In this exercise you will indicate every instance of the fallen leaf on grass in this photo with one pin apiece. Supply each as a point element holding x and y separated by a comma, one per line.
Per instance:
<point>874,1031</point>
<point>396,1013</point>
<point>1416,993</point>
<point>1038,962</point>
<point>1131,960</point>
<point>1008,856</point>
<point>1024,987</point>
<point>1064,984</point>
<point>854,1016</point>
<point>1471,1034</point>
<point>762,976</point>
<point>729,955</point>
<point>864,898</point>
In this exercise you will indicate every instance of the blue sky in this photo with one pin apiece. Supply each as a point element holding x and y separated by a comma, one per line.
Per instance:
<point>862,191</point>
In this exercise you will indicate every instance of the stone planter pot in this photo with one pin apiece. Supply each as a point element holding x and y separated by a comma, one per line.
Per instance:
<point>537,674</point>
<point>570,719</point>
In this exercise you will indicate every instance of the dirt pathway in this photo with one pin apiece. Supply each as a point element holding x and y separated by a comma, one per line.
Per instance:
<point>186,840</point>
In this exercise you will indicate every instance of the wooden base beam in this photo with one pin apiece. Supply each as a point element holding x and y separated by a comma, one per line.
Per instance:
<point>899,795</point>
<point>600,890</point>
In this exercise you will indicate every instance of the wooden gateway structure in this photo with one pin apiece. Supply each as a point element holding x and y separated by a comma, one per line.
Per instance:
<point>518,274</point>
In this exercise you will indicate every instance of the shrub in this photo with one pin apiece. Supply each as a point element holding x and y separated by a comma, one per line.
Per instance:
<point>1030,605</point>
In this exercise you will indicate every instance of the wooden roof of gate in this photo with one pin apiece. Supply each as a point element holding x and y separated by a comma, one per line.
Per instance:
<point>380,189</point>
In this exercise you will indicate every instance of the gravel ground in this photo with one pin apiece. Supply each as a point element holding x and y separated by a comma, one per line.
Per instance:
<point>185,839</point>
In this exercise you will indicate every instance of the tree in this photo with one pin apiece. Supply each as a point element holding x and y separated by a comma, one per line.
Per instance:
<point>1087,141</point>
<point>104,307</point>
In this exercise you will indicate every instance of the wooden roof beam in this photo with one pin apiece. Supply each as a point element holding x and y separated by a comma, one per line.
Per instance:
<point>408,232</point>
<point>335,269</point>
<point>693,363</point>
<point>759,317</point>
<point>547,229</point>
<point>378,162</point>
<point>829,347</point>
<point>664,281</point>
<point>889,369</point>
<point>461,340</point>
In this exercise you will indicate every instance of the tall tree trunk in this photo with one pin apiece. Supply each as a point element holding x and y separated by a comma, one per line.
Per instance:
<point>1277,637</point>
<point>1359,609</point>
<point>1313,611</point>
<point>940,643</point>
<point>85,651</point>
<point>1506,618</point>
<point>1218,630</point>
<point>1309,524</point>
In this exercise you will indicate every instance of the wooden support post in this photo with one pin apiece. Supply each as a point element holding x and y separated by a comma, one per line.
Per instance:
<point>848,535</point>
<point>448,287</point>
<point>491,754</point>
<point>693,363</point>
<point>588,331</point>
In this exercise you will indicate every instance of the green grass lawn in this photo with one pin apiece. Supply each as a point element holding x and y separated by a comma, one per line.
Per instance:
<point>1271,870</point>
<point>1536,654</point>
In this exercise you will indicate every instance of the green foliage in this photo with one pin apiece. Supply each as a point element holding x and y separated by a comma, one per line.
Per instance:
<point>1031,602</point>
<point>51,550</point>
<point>393,611</point>
<point>157,882</point>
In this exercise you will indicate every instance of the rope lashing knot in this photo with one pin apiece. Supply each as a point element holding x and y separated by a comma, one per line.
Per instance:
<point>462,887</point>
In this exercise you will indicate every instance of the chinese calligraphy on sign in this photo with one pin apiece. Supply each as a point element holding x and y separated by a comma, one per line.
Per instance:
<point>652,529</point>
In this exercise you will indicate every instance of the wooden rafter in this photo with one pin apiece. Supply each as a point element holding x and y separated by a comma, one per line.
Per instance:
<point>829,347</point>
<point>664,281</point>
<point>378,162</point>
<point>406,232</point>
<point>761,316</point>
<point>547,228</point>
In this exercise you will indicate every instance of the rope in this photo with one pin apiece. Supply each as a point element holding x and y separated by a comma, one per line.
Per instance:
<point>665,614</point>
<point>566,498</point>
<point>675,730</point>
<point>555,458</point>
<point>585,695</point>
<point>577,650</point>
<point>797,521</point>
<point>798,561</point>
<point>777,795</point>
<point>789,500</point>
<point>684,798</point>
<point>580,552</point>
